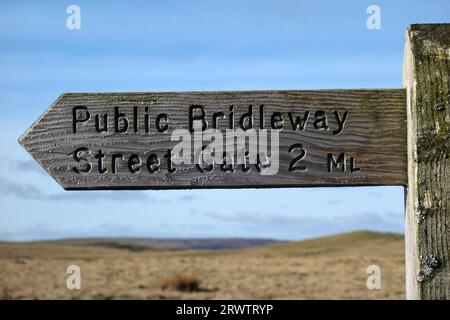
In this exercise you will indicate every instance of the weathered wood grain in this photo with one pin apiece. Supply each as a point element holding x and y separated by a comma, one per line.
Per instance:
<point>426,73</point>
<point>374,134</point>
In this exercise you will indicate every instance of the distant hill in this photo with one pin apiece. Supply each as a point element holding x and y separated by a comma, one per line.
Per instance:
<point>353,239</point>
<point>140,244</point>
<point>328,243</point>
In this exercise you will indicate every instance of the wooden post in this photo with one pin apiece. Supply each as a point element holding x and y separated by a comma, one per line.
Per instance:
<point>426,72</point>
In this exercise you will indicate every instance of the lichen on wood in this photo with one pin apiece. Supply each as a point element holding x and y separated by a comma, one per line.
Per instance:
<point>426,73</point>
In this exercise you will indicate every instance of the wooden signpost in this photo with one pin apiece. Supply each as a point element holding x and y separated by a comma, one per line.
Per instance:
<point>312,138</point>
<point>123,140</point>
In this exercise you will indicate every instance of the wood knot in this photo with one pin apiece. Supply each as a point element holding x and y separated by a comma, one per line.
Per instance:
<point>439,107</point>
<point>433,146</point>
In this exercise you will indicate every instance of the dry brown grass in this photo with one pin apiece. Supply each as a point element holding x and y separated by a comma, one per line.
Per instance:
<point>180,282</point>
<point>325,268</point>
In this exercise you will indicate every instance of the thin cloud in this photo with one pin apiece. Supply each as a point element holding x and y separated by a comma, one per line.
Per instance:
<point>49,232</point>
<point>94,196</point>
<point>30,192</point>
<point>188,198</point>
<point>333,202</point>
<point>311,225</point>
<point>27,166</point>
<point>8,187</point>
<point>376,194</point>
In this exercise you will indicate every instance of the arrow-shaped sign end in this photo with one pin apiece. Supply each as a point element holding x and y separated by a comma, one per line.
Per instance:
<point>31,139</point>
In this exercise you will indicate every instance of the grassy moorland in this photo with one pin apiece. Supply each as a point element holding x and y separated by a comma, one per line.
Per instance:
<point>322,268</point>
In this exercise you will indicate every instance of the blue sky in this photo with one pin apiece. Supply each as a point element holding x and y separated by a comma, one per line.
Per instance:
<point>191,45</point>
